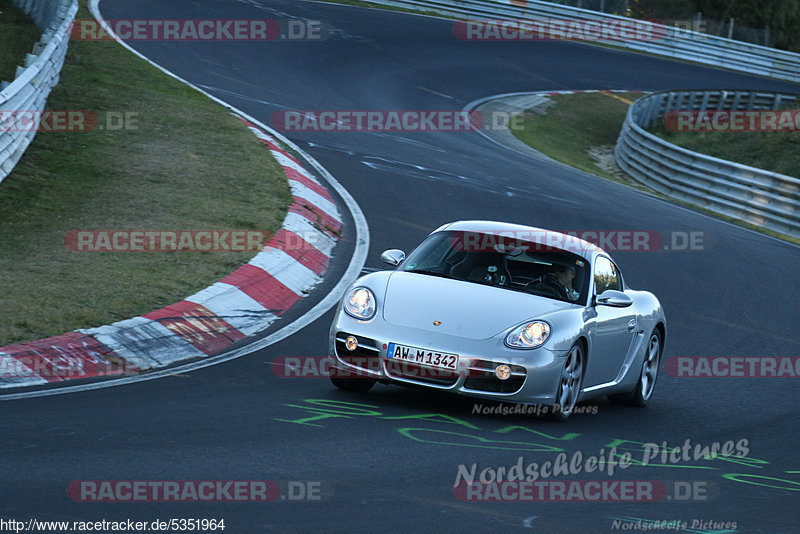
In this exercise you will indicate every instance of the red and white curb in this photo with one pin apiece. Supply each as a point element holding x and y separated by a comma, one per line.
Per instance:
<point>475,103</point>
<point>244,302</point>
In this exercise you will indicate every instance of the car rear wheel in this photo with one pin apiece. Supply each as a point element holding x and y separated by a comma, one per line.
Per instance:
<point>569,387</point>
<point>648,375</point>
<point>358,384</point>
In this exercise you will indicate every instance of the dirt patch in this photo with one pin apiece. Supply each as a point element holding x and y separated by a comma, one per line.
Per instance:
<point>603,157</point>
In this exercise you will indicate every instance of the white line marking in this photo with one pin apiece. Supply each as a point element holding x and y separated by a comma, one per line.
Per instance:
<point>437,93</point>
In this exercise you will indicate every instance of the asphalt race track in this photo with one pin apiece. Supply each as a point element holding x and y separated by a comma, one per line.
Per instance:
<point>386,461</point>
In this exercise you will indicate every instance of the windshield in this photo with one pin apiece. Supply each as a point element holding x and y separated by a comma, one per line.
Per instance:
<point>487,259</point>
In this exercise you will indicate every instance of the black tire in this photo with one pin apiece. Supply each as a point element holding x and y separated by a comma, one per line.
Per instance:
<point>648,375</point>
<point>356,384</point>
<point>569,385</point>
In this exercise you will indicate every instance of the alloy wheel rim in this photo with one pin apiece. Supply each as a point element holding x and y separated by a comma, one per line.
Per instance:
<point>650,367</point>
<point>571,380</point>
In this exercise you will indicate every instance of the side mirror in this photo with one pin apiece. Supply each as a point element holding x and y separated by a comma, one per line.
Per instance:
<point>393,256</point>
<point>614,298</point>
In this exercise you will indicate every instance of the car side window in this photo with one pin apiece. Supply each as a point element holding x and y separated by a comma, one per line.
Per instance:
<point>606,275</point>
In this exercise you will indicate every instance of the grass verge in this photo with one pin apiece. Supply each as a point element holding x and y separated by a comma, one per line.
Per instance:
<point>581,130</point>
<point>180,162</point>
<point>19,34</point>
<point>774,151</point>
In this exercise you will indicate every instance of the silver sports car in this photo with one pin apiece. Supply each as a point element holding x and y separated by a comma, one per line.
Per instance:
<point>504,312</point>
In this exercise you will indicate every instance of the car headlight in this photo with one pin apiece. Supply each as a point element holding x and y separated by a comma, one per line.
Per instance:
<point>360,303</point>
<point>528,336</point>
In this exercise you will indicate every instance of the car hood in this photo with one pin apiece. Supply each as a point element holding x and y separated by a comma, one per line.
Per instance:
<point>465,309</point>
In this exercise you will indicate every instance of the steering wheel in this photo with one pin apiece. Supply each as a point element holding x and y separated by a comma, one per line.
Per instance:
<point>550,281</point>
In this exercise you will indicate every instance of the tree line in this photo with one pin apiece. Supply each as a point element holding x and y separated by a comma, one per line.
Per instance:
<point>773,23</point>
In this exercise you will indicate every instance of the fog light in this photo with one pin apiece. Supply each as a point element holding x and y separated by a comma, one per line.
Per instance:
<point>351,343</point>
<point>502,372</point>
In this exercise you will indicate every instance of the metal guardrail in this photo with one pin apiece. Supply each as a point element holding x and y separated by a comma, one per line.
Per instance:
<point>760,197</point>
<point>671,42</point>
<point>36,77</point>
<point>766,199</point>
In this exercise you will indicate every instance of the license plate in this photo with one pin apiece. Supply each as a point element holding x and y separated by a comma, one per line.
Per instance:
<point>427,357</point>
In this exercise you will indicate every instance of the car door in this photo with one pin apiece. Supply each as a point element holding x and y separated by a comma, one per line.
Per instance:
<point>614,328</point>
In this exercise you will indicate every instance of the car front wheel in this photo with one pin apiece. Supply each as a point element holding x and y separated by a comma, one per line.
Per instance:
<point>569,387</point>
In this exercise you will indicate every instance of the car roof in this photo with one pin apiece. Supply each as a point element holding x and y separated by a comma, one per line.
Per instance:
<point>551,238</point>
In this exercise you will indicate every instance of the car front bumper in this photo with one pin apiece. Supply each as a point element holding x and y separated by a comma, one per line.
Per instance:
<point>535,373</point>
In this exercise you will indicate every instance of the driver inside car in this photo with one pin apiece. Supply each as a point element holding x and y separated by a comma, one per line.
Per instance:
<point>564,274</point>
